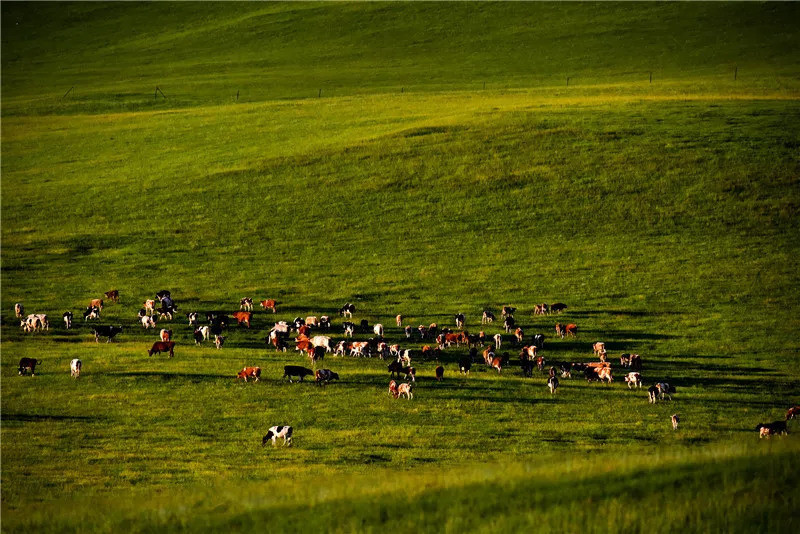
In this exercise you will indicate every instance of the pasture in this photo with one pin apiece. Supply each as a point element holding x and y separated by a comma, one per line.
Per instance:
<point>664,214</point>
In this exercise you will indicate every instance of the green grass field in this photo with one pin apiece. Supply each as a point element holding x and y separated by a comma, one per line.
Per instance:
<point>365,161</point>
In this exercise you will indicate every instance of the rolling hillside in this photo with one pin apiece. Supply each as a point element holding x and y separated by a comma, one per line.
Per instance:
<point>664,214</point>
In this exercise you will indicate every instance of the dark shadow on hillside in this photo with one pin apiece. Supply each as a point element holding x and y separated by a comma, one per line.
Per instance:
<point>28,418</point>
<point>630,313</point>
<point>170,376</point>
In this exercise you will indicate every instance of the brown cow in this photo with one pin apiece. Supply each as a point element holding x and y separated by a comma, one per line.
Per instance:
<point>269,304</point>
<point>112,295</point>
<point>96,303</point>
<point>792,412</point>
<point>519,334</point>
<point>302,342</point>
<point>162,346</point>
<point>243,317</point>
<point>572,330</point>
<point>252,372</point>
<point>439,373</point>
<point>166,335</point>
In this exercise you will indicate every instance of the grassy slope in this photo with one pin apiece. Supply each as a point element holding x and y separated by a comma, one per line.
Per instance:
<point>665,215</point>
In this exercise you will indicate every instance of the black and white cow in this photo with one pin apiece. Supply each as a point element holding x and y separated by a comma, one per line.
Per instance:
<point>68,319</point>
<point>459,320</point>
<point>106,331</point>
<point>276,432</point>
<point>538,341</point>
<point>192,316</point>
<point>92,312</point>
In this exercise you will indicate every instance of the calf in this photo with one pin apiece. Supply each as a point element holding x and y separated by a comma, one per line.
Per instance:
<point>19,310</point>
<point>323,376</point>
<point>198,336</point>
<point>192,316</point>
<point>572,330</point>
<point>246,304</point>
<point>96,303</point>
<point>68,319</point>
<point>269,304</point>
<point>519,334</point>
<point>296,370</point>
<point>598,348</point>
<point>148,322</point>
<point>408,331</point>
<point>405,389</point>
<point>243,318</point>
<point>28,364</point>
<point>560,330</point>
<point>112,295</point>
<point>771,429</point>
<point>166,335</point>
<point>459,320</point>
<point>276,432</point>
<point>509,324</point>
<point>439,371</point>
<point>106,331</point>
<point>92,312</point>
<point>162,346</point>
<point>250,372</point>
<point>395,368</point>
<point>75,368</point>
<point>150,307</point>
<point>633,380</point>
<point>552,383</point>
<point>218,341</point>
<point>508,311</point>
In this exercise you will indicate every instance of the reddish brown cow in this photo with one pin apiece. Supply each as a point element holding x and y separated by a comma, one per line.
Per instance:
<point>96,303</point>
<point>439,373</point>
<point>269,304</point>
<point>304,330</point>
<point>243,317</point>
<point>302,342</point>
<point>251,372</point>
<point>112,295</point>
<point>162,346</point>
<point>572,330</point>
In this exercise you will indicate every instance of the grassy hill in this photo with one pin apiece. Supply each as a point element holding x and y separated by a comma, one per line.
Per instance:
<point>663,214</point>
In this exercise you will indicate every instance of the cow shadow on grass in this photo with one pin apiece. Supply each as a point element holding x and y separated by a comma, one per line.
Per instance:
<point>166,376</point>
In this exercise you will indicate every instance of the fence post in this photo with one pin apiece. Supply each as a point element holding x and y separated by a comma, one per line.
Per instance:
<point>567,81</point>
<point>651,76</point>
<point>735,72</point>
<point>237,95</point>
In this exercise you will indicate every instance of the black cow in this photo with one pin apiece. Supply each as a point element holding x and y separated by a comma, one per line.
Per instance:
<point>92,312</point>
<point>163,293</point>
<point>106,331</point>
<point>364,326</point>
<point>296,370</point>
<point>465,363</point>
<point>538,341</point>
<point>558,307</point>
<point>28,364</point>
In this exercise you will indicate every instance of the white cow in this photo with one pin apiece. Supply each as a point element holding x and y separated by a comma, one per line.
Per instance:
<point>148,322</point>
<point>378,329</point>
<point>276,432</point>
<point>498,340</point>
<point>75,367</point>
<point>322,341</point>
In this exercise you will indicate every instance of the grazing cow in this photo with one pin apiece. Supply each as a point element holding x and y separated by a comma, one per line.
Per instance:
<point>464,365</point>
<point>322,341</point>
<point>341,348</point>
<point>35,322</point>
<point>439,371</point>
<point>68,319</point>
<point>96,303</point>
<point>487,317</point>
<point>560,330</point>
<point>75,368</point>
<point>540,363</point>
<point>349,328</point>
<point>552,383</point>
<point>364,326</point>
<point>423,331</point>
<point>488,354</point>
<point>675,420</point>
<point>572,330</point>
<point>92,312</point>
<point>771,429</point>
<point>162,346</point>
<point>598,348</point>
<point>150,307</point>
<point>243,318</point>
<point>269,304</point>
<point>408,331</point>
<point>148,322</point>
<point>277,340</point>
<point>303,330</point>
<point>19,310</point>
<point>276,432</point>
<point>526,365</point>
<point>404,357</point>
<point>410,372</point>
<point>250,372</point>
<point>633,380</point>
<point>142,313</point>
<point>792,412</point>
<point>166,335</point>
<point>540,309</point>
<point>498,340</point>
<point>296,370</point>
<point>664,390</point>
<point>383,350</point>
<point>192,316</point>
<point>358,348</point>
<point>28,364</point>
<point>625,360</point>
<point>246,304</point>
<point>347,310</point>
<point>399,320</point>
<point>538,341</point>
<point>112,295</point>
<point>519,334</point>
<point>497,362</point>
<point>206,331</point>
<point>106,331</point>
<point>165,312</point>
<point>459,320</point>
<point>652,394</point>
<point>163,293</point>
<point>508,311</point>
<point>312,321</point>
<point>378,329</point>
<point>566,370</point>
<point>529,351</point>
<point>636,362</point>
<point>405,389</point>
<point>323,376</point>
<point>558,307</point>
<point>218,341</point>
<point>325,322</point>
<point>393,388</point>
<point>509,324</point>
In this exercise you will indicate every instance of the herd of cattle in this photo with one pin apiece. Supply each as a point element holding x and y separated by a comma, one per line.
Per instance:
<point>311,339</point>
